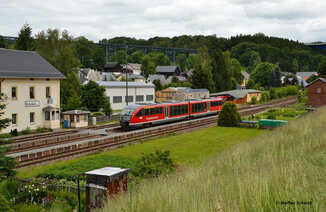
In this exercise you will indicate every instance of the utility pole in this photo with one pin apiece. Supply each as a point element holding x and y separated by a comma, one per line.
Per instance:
<point>126,76</point>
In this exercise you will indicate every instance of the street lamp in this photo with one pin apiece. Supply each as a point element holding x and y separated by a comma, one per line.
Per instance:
<point>126,76</point>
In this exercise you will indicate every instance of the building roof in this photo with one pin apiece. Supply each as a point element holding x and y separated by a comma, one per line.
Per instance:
<point>76,112</point>
<point>189,90</point>
<point>246,75</point>
<point>306,74</point>
<point>112,64</point>
<point>26,64</point>
<point>109,76</point>
<point>135,66</point>
<point>285,73</point>
<point>166,69</point>
<point>119,84</point>
<point>133,76</point>
<point>322,79</point>
<point>236,93</point>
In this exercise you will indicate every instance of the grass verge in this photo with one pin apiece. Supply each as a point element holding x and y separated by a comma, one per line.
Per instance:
<point>287,165</point>
<point>184,148</point>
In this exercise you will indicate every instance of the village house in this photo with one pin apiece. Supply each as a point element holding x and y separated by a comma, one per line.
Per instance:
<point>305,75</point>
<point>180,94</point>
<point>239,96</point>
<point>113,67</point>
<point>168,71</point>
<point>31,88</point>
<point>137,93</point>
<point>317,92</point>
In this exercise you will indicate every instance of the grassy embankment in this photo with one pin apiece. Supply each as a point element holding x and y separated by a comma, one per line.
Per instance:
<point>184,148</point>
<point>284,165</point>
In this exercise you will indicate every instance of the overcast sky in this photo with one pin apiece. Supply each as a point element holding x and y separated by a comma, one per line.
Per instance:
<point>301,20</point>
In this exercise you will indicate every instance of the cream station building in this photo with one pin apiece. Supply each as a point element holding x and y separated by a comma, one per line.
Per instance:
<point>31,88</point>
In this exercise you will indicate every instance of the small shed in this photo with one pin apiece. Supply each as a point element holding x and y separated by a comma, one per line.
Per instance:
<point>103,181</point>
<point>317,92</point>
<point>270,123</point>
<point>76,118</point>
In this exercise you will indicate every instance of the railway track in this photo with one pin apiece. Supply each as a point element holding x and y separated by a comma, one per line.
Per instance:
<point>39,136</point>
<point>106,143</point>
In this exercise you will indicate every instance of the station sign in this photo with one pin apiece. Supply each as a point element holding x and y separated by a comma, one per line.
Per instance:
<point>32,103</point>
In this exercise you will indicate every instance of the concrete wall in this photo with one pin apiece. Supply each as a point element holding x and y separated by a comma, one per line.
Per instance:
<point>17,106</point>
<point>111,92</point>
<point>317,94</point>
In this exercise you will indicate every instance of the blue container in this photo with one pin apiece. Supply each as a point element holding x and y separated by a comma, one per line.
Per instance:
<point>66,124</point>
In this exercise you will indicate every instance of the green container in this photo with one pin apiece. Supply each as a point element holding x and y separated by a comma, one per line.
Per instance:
<point>270,123</point>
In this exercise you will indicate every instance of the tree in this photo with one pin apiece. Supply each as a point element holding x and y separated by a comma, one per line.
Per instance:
<point>7,163</point>
<point>202,73</point>
<point>68,87</point>
<point>322,69</point>
<point>222,71</point>
<point>190,62</point>
<point>3,43</point>
<point>119,57</point>
<point>293,80</point>
<point>158,85</point>
<point>175,79</point>
<point>74,102</point>
<point>311,78</point>
<point>160,59</point>
<point>59,49</point>
<point>229,115</point>
<point>261,73</point>
<point>181,61</point>
<point>136,57</point>
<point>250,84</point>
<point>106,108</point>
<point>147,66</point>
<point>25,40</point>
<point>295,65</point>
<point>236,71</point>
<point>89,54</point>
<point>234,84</point>
<point>93,96</point>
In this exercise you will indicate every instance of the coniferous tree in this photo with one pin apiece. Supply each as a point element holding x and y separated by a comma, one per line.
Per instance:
<point>222,71</point>
<point>278,75</point>
<point>25,40</point>
<point>202,73</point>
<point>7,163</point>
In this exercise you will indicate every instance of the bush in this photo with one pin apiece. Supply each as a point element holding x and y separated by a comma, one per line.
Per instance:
<point>229,115</point>
<point>253,100</point>
<point>264,96</point>
<point>153,165</point>
<point>9,188</point>
<point>25,131</point>
<point>272,93</point>
<point>4,205</point>
<point>14,132</point>
<point>43,130</point>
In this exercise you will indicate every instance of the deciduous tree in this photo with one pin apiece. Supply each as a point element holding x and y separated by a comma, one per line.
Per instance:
<point>181,61</point>
<point>202,73</point>
<point>322,69</point>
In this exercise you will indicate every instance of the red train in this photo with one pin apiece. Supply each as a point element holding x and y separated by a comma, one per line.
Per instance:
<point>143,115</point>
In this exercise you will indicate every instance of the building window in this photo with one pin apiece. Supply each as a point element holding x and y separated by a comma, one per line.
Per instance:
<point>140,98</point>
<point>85,118</point>
<point>31,118</point>
<point>58,115</point>
<point>47,92</point>
<point>14,119</point>
<point>130,98</point>
<point>53,115</point>
<point>318,90</point>
<point>149,97</point>
<point>31,93</point>
<point>108,98</point>
<point>117,99</point>
<point>47,115</point>
<point>77,118</point>
<point>14,93</point>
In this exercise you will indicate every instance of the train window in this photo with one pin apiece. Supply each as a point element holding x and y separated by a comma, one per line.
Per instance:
<point>178,110</point>
<point>140,113</point>
<point>198,107</point>
<point>147,112</point>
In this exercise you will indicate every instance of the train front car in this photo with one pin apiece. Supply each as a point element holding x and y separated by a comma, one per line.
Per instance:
<point>126,115</point>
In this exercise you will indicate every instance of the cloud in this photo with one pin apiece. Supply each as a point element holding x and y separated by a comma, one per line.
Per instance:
<point>294,19</point>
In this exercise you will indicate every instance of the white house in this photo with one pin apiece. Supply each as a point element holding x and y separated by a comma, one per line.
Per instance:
<point>137,93</point>
<point>31,88</point>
